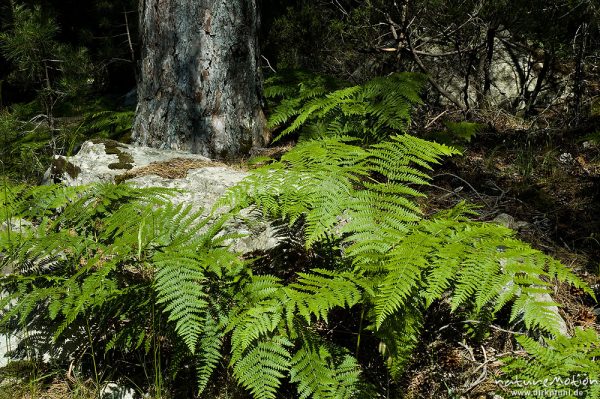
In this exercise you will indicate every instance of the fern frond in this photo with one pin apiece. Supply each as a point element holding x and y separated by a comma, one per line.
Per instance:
<point>317,293</point>
<point>374,110</point>
<point>314,369</point>
<point>209,353</point>
<point>263,367</point>
<point>404,268</point>
<point>398,336</point>
<point>251,325</point>
<point>179,284</point>
<point>310,368</point>
<point>332,184</point>
<point>560,364</point>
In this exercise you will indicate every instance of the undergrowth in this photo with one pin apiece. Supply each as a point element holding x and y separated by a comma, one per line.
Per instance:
<point>95,268</point>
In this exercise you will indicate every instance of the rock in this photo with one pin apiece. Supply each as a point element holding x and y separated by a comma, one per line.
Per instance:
<point>203,180</point>
<point>112,390</point>
<point>507,220</point>
<point>15,224</point>
<point>105,160</point>
<point>565,158</point>
<point>8,343</point>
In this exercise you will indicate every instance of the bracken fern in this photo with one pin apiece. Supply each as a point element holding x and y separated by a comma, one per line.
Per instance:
<point>112,253</point>
<point>371,111</point>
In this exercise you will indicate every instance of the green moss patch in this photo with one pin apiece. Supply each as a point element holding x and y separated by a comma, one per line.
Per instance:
<point>61,166</point>
<point>113,147</point>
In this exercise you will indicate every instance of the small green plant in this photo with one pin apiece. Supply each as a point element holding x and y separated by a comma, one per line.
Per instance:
<point>525,160</point>
<point>24,147</point>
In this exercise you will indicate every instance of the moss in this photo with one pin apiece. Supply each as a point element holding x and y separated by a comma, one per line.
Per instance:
<point>125,162</point>
<point>61,166</point>
<point>113,147</point>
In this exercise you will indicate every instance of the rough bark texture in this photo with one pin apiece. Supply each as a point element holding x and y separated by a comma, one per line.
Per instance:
<point>199,88</point>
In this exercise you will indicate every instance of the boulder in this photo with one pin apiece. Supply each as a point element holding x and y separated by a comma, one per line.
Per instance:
<point>509,221</point>
<point>203,180</point>
<point>112,390</point>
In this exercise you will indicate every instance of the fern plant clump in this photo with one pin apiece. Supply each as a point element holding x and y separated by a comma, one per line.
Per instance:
<point>315,106</point>
<point>93,262</point>
<point>96,267</point>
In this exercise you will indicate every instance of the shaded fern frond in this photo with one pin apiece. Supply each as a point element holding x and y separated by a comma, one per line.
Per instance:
<point>375,110</point>
<point>399,335</point>
<point>319,375</point>
<point>107,124</point>
<point>317,293</point>
<point>209,351</point>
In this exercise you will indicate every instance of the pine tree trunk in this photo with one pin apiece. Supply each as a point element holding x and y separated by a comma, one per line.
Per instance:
<point>199,88</point>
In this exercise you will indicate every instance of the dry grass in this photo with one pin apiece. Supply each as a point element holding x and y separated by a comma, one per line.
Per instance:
<point>176,168</point>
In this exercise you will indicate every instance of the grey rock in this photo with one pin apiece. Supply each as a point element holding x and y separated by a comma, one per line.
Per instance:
<point>202,185</point>
<point>510,222</point>
<point>98,162</point>
<point>8,343</point>
<point>15,224</point>
<point>112,390</point>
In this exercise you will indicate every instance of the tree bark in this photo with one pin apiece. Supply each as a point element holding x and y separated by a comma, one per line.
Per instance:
<point>200,87</point>
<point>485,77</point>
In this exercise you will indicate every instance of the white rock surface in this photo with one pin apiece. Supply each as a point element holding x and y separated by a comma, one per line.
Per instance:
<point>94,162</point>
<point>112,390</point>
<point>7,344</point>
<point>203,186</point>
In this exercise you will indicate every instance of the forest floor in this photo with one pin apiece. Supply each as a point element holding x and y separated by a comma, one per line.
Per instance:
<point>546,186</point>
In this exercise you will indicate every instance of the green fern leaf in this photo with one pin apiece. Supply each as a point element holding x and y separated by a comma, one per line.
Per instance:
<point>263,367</point>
